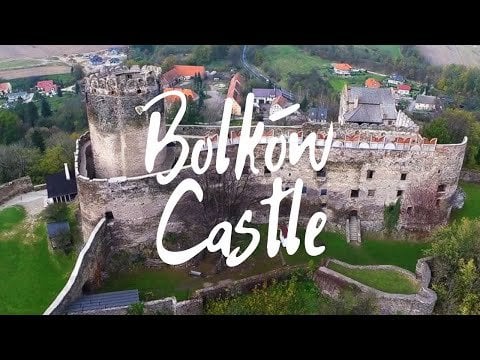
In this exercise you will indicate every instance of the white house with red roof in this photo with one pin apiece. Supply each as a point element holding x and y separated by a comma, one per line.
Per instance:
<point>403,89</point>
<point>5,88</point>
<point>47,87</point>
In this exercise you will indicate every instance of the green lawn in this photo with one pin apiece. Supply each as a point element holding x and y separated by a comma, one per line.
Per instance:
<point>7,64</point>
<point>389,281</point>
<point>169,281</point>
<point>391,50</point>
<point>31,276</point>
<point>471,208</point>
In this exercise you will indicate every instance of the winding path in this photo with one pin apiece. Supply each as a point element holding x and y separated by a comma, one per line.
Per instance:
<point>33,202</point>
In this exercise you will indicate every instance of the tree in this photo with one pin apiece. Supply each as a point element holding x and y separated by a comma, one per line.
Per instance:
<point>420,207</point>
<point>201,55</point>
<point>235,55</point>
<point>10,127</point>
<point>168,63</point>
<point>77,88</point>
<point>16,161</point>
<point>45,109</point>
<point>304,104</point>
<point>59,91</point>
<point>31,114</point>
<point>52,162</point>
<point>38,140</point>
<point>455,276</point>
<point>77,72</point>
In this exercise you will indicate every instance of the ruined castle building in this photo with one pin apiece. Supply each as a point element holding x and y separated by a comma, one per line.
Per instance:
<point>118,134</point>
<point>378,158</point>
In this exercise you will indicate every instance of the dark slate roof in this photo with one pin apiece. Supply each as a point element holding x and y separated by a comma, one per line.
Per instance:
<point>57,228</point>
<point>426,99</point>
<point>365,114</point>
<point>382,97</point>
<point>267,92</point>
<point>318,113</point>
<point>397,77</point>
<point>104,301</point>
<point>58,185</point>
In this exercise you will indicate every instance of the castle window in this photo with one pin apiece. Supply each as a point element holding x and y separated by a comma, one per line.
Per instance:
<point>399,192</point>
<point>437,203</point>
<point>139,91</point>
<point>304,190</point>
<point>321,173</point>
<point>441,188</point>
<point>323,191</point>
<point>371,193</point>
<point>109,215</point>
<point>354,193</point>
<point>246,170</point>
<point>409,210</point>
<point>323,205</point>
<point>266,171</point>
<point>370,174</point>
<point>403,176</point>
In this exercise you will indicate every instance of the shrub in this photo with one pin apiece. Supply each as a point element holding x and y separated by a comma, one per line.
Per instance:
<point>56,212</point>
<point>136,309</point>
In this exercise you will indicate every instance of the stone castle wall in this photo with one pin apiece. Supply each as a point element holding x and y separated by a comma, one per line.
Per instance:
<point>14,188</point>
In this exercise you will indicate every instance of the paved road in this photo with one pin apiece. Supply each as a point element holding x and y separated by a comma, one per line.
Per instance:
<point>258,74</point>
<point>33,202</point>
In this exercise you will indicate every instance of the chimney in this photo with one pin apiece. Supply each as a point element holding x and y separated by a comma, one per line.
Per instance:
<point>67,173</point>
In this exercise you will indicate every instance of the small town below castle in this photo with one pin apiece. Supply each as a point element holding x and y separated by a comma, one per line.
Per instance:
<point>80,212</point>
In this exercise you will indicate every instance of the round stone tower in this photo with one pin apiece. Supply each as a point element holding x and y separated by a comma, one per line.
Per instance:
<point>118,134</point>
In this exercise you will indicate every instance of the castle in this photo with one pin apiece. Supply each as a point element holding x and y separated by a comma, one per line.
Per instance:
<point>377,158</point>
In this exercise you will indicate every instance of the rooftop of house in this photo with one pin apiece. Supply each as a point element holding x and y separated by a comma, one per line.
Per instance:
<point>189,70</point>
<point>397,77</point>
<point>372,83</point>
<point>58,185</point>
<point>236,87</point>
<point>404,87</point>
<point>46,85</point>
<point>374,105</point>
<point>318,113</point>
<point>104,301</point>
<point>189,93</point>
<point>426,99</point>
<point>342,66</point>
<point>266,92</point>
<point>17,94</point>
<point>280,100</point>
<point>57,228</point>
<point>6,86</point>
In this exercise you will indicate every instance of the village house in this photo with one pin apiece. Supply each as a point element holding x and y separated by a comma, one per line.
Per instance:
<point>47,87</point>
<point>395,79</point>
<point>372,83</point>
<point>170,100</point>
<point>278,104</point>
<point>318,114</point>
<point>235,92</point>
<point>403,89</point>
<point>265,96</point>
<point>180,73</point>
<point>24,96</point>
<point>425,103</point>
<point>342,69</point>
<point>61,187</point>
<point>5,88</point>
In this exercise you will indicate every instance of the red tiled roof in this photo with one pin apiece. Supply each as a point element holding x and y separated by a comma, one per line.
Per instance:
<point>170,76</point>
<point>342,67</point>
<point>188,93</point>
<point>46,85</point>
<point>430,142</point>
<point>404,87</point>
<point>280,100</point>
<point>235,88</point>
<point>354,137</point>
<point>378,139</point>
<point>189,70</point>
<point>401,140</point>
<point>321,135</point>
<point>372,83</point>
<point>5,87</point>
<point>234,134</point>
<point>267,133</point>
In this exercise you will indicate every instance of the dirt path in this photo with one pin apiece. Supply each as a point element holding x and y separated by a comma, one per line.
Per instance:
<point>34,71</point>
<point>33,202</point>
